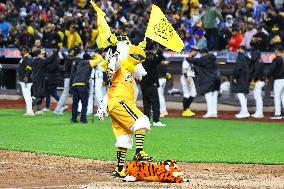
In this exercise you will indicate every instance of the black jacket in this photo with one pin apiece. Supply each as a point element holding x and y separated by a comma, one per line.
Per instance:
<point>162,70</point>
<point>53,71</point>
<point>81,72</point>
<point>260,45</point>
<point>276,70</point>
<point>258,71</point>
<point>68,61</point>
<point>150,65</point>
<point>39,74</point>
<point>242,74</point>
<point>25,64</point>
<point>207,74</point>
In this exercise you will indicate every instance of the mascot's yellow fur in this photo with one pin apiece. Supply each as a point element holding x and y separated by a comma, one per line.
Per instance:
<point>166,171</point>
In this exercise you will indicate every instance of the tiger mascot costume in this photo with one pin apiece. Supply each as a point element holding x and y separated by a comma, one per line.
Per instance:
<point>166,171</point>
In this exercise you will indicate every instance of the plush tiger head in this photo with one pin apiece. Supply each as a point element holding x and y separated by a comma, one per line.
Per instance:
<point>171,166</point>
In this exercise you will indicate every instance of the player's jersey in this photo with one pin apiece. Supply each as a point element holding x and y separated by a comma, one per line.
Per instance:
<point>186,65</point>
<point>121,88</point>
<point>190,72</point>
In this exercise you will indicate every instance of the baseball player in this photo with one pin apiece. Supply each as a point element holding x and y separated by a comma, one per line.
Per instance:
<point>25,68</point>
<point>276,71</point>
<point>100,86</point>
<point>68,61</point>
<point>258,77</point>
<point>187,83</point>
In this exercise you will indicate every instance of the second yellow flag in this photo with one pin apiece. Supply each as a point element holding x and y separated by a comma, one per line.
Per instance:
<point>160,30</point>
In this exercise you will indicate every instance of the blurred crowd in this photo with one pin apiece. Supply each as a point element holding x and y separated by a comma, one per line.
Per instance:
<point>212,24</point>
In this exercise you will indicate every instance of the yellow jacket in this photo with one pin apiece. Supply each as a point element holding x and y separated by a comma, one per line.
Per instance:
<point>72,39</point>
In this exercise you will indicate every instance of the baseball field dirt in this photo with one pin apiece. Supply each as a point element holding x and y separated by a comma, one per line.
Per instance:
<point>28,170</point>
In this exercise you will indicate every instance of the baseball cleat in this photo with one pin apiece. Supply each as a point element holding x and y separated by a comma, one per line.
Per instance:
<point>119,174</point>
<point>143,157</point>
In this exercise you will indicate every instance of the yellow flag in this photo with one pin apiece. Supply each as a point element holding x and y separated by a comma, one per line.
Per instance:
<point>103,29</point>
<point>160,30</point>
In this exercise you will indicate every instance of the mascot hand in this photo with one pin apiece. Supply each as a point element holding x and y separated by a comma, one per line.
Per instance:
<point>139,72</point>
<point>102,111</point>
<point>113,39</point>
<point>101,114</point>
<point>143,44</point>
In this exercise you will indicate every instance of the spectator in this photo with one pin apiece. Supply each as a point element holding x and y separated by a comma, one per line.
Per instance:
<point>235,40</point>
<point>259,40</point>
<point>189,40</point>
<point>72,37</point>
<point>251,31</point>
<point>210,24</point>
<point>201,41</point>
<point>25,39</point>
<point>50,38</point>
<point>4,27</point>
<point>259,11</point>
<point>131,17</point>
<point>275,38</point>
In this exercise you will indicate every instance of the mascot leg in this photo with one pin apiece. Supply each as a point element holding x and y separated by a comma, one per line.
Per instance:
<point>139,140</point>
<point>119,171</point>
<point>140,127</point>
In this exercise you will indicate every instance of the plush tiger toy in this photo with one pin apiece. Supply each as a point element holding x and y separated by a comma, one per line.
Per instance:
<point>166,171</point>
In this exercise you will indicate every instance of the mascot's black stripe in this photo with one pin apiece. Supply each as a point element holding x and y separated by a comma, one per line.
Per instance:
<point>133,115</point>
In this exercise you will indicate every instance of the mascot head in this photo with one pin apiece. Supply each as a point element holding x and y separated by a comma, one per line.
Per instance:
<point>133,62</point>
<point>126,55</point>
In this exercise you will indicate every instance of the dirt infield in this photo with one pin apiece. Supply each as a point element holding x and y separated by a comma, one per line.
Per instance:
<point>27,170</point>
<point>224,115</point>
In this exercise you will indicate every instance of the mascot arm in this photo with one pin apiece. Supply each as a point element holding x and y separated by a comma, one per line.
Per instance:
<point>128,66</point>
<point>102,111</point>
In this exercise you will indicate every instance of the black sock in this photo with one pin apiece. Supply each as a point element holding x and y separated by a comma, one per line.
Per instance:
<point>190,100</point>
<point>120,158</point>
<point>185,103</point>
